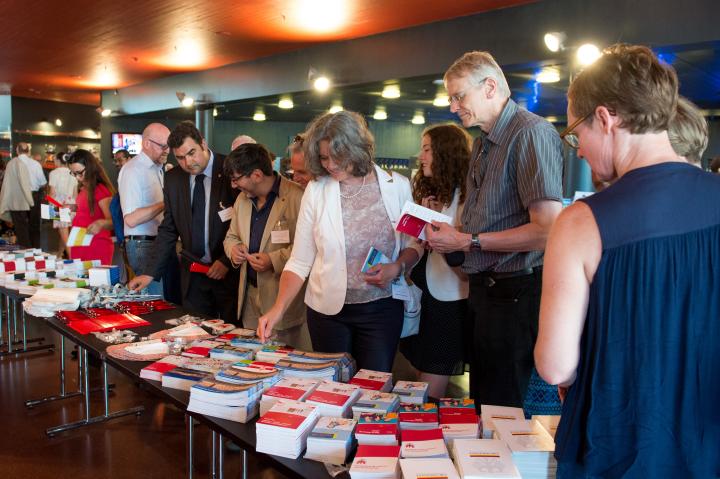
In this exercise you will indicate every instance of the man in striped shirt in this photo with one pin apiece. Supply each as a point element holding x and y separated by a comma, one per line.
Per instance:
<point>514,193</point>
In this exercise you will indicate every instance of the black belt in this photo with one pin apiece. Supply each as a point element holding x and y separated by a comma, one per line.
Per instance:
<point>139,238</point>
<point>492,277</point>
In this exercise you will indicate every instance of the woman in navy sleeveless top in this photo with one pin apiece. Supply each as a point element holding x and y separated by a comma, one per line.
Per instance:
<point>630,313</point>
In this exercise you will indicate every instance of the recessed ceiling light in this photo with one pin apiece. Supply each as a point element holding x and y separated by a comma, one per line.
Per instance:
<point>418,118</point>
<point>554,41</point>
<point>380,114</point>
<point>259,116</point>
<point>58,122</point>
<point>336,107</point>
<point>321,16</point>
<point>391,91</point>
<point>285,103</point>
<point>322,83</point>
<point>548,75</point>
<point>188,101</point>
<point>106,112</point>
<point>441,100</point>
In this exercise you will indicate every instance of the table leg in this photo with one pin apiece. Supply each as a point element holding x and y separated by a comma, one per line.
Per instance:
<point>189,444</point>
<point>213,457</point>
<point>244,466</point>
<point>82,353</point>
<point>14,341</point>
<point>221,457</point>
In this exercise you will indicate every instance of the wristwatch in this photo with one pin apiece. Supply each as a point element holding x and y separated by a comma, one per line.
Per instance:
<point>475,242</point>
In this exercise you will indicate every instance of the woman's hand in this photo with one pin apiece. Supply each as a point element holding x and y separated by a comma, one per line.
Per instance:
<point>381,275</point>
<point>267,322</point>
<point>96,226</point>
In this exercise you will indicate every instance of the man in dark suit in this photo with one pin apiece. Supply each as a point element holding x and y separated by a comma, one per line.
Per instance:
<point>198,208</point>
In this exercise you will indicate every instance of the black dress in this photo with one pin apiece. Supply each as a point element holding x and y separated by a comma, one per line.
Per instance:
<point>439,347</point>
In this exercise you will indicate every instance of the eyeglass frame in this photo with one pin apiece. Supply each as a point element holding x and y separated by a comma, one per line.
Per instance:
<point>78,173</point>
<point>569,132</point>
<point>162,147</point>
<point>458,97</point>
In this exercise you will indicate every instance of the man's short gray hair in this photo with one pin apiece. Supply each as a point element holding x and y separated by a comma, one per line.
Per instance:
<point>477,66</point>
<point>352,145</point>
<point>241,140</point>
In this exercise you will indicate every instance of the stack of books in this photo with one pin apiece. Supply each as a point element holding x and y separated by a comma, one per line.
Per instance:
<point>334,399</point>
<point>231,353</point>
<point>183,378</point>
<point>458,419</point>
<point>531,445</point>
<point>247,371</point>
<point>377,429</point>
<point>234,402</point>
<point>200,349</point>
<point>438,468</point>
<point>331,440</point>
<point>284,429</point>
<point>245,338</point>
<point>272,353</point>
<point>327,370</point>
<point>155,370</point>
<point>549,422</point>
<point>422,443</point>
<point>484,459</point>
<point>418,416</point>
<point>376,462</point>
<point>411,392</point>
<point>375,402</point>
<point>373,380</point>
<point>345,362</point>
<point>295,389</point>
<point>492,414</point>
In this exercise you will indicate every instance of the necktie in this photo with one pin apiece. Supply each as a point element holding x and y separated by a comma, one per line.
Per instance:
<point>198,217</point>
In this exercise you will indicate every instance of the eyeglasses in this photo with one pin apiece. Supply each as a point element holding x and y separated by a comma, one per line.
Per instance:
<point>458,97</point>
<point>162,147</point>
<point>78,173</point>
<point>235,179</point>
<point>568,135</point>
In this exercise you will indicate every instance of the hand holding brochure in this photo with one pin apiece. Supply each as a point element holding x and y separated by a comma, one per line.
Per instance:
<point>414,217</point>
<point>373,258</point>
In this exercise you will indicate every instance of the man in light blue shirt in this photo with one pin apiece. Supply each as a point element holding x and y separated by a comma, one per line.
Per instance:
<point>140,185</point>
<point>37,182</point>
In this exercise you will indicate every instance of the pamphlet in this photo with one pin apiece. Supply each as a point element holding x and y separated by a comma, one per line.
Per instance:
<point>414,217</point>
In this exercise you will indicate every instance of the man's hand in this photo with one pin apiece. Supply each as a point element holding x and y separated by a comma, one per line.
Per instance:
<point>139,282</point>
<point>238,255</point>
<point>443,238</point>
<point>266,323</point>
<point>382,275</point>
<point>260,262</point>
<point>217,271</point>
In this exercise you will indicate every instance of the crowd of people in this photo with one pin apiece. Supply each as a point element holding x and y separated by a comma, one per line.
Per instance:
<point>610,300</point>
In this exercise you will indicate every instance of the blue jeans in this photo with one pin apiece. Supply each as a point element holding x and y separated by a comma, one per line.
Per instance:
<point>140,254</point>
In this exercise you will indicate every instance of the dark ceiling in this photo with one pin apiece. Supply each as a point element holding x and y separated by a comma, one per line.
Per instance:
<point>698,68</point>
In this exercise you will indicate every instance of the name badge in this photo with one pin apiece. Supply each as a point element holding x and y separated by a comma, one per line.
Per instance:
<point>226,214</point>
<point>280,236</point>
<point>400,291</point>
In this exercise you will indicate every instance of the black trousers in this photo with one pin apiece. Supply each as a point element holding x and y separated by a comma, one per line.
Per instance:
<point>212,297</point>
<point>21,223</point>
<point>34,219</point>
<point>505,315</point>
<point>368,331</point>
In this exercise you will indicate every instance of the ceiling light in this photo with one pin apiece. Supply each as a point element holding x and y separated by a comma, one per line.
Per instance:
<point>187,52</point>
<point>188,101</point>
<point>548,75</point>
<point>321,16</point>
<point>380,114</point>
<point>554,41</point>
<point>58,122</point>
<point>587,54</point>
<point>106,112</point>
<point>336,107</point>
<point>259,116</point>
<point>441,100</point>
<point>215,112</point>
<point>391,91</point>
<point>322,83</point>
<point>285,103</point>
<point>418,119</point>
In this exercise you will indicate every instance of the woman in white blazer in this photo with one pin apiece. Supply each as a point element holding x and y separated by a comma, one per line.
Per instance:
<point>351,206</point>
<point>437,351</point>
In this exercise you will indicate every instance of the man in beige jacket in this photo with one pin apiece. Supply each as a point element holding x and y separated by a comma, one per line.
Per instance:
<point>260,239</point>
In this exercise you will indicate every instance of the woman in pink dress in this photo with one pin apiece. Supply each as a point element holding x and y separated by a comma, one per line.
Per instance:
<point>93,207</point>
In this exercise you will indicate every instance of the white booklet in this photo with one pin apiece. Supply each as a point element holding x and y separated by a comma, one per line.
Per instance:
<point>414,217</point>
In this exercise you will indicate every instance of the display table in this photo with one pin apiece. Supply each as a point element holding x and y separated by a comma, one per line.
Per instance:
<point>241,434</point>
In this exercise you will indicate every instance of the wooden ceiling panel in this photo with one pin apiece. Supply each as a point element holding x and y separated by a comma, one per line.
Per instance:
<point>69,51</point>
